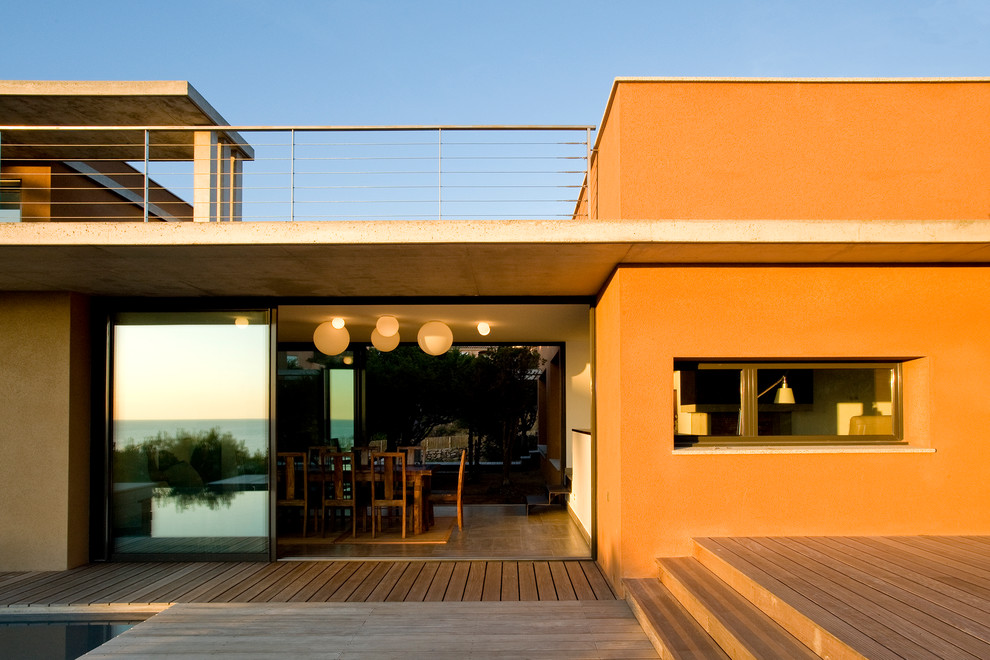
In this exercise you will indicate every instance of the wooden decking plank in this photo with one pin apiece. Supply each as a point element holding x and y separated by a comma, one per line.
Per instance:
<point>921,563</point>
<point>303,587</point>
<point>265,581</point>
<point>458,581</point>
<point>291,585</point>
<point>219,582</point>
<point>510,581</point>
<point>903,598</point>
<point>527,581</point>
<point>597,581</point>
<point>962,601</point>
<point>975,557</point>
<point>844,622</point>
<point>172,575</point>
<point>334,581</point>
<point>402,592</point>
<point>115,591</point>
<point>562,581</point>
<point>973,544</point>
<point>544,581</point>
<point>439,582</point>
<point>183,584</point>
<point>475,585</point>
<point>389,582</point>
<point>982,540</point>
<point>235,584</point>
<point>582,589</point>
<point>493,581</point>
<point>961,570</point>
<point>369,581</point>
<point>424,579</point>
<point>9,579</point>
<point>50,583</point>
<point>64,592</point>
<point>848,590</point>
<point>270,593</point>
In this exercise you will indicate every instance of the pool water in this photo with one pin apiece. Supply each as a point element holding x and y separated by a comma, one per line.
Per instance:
<point>56,640</point>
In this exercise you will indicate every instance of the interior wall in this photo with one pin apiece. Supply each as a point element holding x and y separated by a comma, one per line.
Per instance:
<point>44,431</point>
<point>936,319</point>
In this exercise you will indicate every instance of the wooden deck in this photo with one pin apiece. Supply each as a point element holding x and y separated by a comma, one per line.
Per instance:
<point>881,597</point>
<point>307,581</point>
<point>837,597</point>
<point>575,630</point>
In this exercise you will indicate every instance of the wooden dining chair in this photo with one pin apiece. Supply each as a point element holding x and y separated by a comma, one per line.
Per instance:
<point>451,497</point>
<point>388,487</point>
<point>415,454</point>
<point>337,486</point>
<point>292,491</point>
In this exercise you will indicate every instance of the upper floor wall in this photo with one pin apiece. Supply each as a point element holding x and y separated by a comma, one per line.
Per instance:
<point>794,149</point>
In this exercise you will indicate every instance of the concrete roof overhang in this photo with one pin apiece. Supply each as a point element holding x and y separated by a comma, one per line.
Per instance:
<point>85,104</point>
<point>571,258</point>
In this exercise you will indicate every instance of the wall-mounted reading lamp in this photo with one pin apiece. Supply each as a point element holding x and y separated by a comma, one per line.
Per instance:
<point>784,395</point>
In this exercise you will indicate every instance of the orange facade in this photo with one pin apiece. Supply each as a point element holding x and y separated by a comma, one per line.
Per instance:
<point>796,150</point>
<point>742,151</point>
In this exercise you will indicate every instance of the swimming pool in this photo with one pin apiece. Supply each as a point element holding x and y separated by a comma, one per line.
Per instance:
<point>56,639</point>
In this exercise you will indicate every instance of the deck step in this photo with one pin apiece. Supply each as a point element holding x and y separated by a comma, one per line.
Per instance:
<point>674,633</point>
<point>738,626</point>
<point>803,617</point>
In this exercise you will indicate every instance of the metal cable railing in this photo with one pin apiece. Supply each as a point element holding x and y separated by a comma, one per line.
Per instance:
<point>207,173</point>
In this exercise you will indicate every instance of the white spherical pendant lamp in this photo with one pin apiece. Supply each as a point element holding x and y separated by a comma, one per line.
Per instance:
<point>330,340</point>
<point>387,326</point>
<point>384,344</point>
<point>435,338</point>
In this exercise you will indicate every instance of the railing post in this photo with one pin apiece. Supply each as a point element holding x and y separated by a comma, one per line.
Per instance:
<point>147,157</point>
<point>292,175</point>
<point>587,143</point>
<point>439,174</point>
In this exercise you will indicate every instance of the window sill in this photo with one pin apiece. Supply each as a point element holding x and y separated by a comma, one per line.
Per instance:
<point>820,449</point>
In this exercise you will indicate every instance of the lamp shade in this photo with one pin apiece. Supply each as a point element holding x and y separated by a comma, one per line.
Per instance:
<point>435,338</point>
<point>387,326</point>
<point>384,344</point>
<point>330,340</point>
<point>785,394</point>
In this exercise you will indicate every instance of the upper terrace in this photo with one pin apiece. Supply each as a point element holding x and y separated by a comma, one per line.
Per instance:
<point>159,152</point>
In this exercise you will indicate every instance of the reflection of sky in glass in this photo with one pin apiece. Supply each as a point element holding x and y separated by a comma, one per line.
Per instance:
<point>240,518</point>
<point>190,372</point>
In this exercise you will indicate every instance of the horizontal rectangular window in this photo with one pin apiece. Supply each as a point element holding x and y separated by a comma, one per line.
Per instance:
<point>786,403</point>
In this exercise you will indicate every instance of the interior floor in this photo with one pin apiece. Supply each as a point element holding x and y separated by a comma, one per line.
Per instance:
<point>491,531</point>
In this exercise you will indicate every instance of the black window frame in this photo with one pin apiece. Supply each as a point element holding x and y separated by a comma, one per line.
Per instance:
<point>750,407</point>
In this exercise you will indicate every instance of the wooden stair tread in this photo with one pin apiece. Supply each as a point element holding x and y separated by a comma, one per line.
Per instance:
<point>739,627</point>
<point>670,627</point>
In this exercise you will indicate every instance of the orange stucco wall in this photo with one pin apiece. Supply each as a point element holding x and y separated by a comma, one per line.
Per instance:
<point>798,150</point>
<point>652,500</point>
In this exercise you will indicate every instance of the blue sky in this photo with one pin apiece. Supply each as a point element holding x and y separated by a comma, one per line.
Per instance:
<point>506,62</point>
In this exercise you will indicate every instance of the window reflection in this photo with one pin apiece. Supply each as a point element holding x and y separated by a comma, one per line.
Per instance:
<point>190,433</point>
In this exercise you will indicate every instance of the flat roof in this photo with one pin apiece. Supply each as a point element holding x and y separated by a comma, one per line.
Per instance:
<point>531,258</point>
<point>83,103</point>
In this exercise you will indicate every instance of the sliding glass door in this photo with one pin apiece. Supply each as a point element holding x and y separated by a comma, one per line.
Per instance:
<point>190,434</point>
